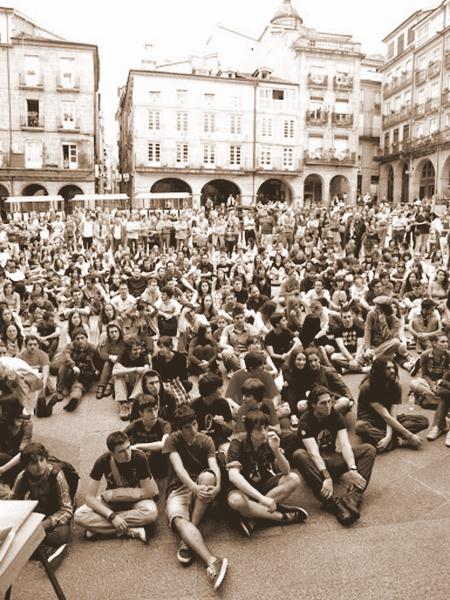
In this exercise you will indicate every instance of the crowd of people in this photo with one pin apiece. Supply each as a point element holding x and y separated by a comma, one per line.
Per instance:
<point>224,336</point>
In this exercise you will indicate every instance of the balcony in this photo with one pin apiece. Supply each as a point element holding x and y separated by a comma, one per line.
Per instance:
<point>72,126</point>
<point>32,122</point>
<point>66,83</point>
<point>327,44</point>
<point>31,81</point>
<point>343,83</point>
<point>420,76</point>
<point>397,84</point>
<point>317,81</point>
<point>431,106</point>
<point>316,117</point>
<point>342,119</point>
<point>397,117</point>
<point>330,156</point>
<point>434,68</point>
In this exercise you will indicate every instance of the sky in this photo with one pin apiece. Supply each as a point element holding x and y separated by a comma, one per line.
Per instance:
<point>178,27</point>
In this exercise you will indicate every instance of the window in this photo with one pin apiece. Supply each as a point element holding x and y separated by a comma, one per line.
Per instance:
<point>70,156</point>
<point>154,120</point>
<point>421,96</point>
<point>182,121</point>
<point>68,115</point>
<point>265,157</point>
<point>154,97</point>
<point>66,70</point>
<point>235,155</point>
<point>410,35</point>
<point>235,124</point>
<point>406,133</point>
<point>182,96</point>
<point>288,157</point>
<point>32,69</point>
<point>288,128</point>
<point>277,94</point>
<point>391,50</point>
<point>400,43</point>
<point>397,103</point>
<point>209,122</point>
<point>154,152</point>
<point>209,154</point>
<point>395,136</point>
<point>266,127</point>
<point>32,119</point>
<point>265,95</point>
<point>209,99</point>
<point>315,143</point>
<point>182,153</point>
<point>387,139</point>
<point>420,130</point>
<point>341,145</point>
<point>341,107</point>
<point>435,90</point>
<point>33,155</point>
<point>433,125</point>
<point>422,32</point>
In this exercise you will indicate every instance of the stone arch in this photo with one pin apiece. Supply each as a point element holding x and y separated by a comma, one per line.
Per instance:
<point>404,178</point>
<point>424,181</point>
<point>219,190</point>
<point>274,190</point>
<point>68,192</point>
<point>339,186</point>
<point>444,179</point>
<point>313,190</point>
<point>170,185</point>
<point>34,189</point>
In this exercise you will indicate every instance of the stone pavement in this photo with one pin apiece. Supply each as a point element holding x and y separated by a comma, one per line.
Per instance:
<point>395,552</point>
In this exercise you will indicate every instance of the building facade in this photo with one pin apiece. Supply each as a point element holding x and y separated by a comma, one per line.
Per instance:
<point>293,127</point>
<point>50,140</point>
<point>415,151</point>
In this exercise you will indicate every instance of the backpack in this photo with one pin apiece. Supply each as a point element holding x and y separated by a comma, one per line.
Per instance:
<point>69,471</point>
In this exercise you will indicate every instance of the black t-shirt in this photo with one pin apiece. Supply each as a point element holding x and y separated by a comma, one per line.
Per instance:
<point>324,431</point>
<point>387,398</point>
<point>138,434</point>
<point>131,472</point>
<point>137,286</point>
<point>256,465</point>
<point>193,456</point>
<point>206,412</point>
<point>127,360</point>
<point>281,343</point>
<point>349,336</point>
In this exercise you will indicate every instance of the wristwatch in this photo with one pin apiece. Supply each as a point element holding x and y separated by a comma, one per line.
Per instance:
<point>353,468</point>
<point>111,516</point>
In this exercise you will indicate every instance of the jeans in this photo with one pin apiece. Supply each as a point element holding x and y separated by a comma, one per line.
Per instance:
<point>336,465</point>
<point>372,434</point>
<point>141,513</point>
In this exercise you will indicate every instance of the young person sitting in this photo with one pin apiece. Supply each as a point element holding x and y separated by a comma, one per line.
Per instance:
<point>320,464</point>
<point>127,505</point>
<point>261,477</point>
<point>194,483</point>
<point>41,481</point>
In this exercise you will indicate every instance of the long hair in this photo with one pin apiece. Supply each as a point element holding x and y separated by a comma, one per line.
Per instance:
<point>376,378</point>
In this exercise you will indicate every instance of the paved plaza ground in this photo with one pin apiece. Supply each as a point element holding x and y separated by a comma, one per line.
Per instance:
<point>397,551</point>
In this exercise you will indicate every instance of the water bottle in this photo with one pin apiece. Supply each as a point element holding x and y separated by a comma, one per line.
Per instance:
<point>411,401</point>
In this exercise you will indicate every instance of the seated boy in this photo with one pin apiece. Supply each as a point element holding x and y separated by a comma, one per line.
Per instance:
<point>260,476</point>
<point>148,433</point>
<point>253,398</point>
<point>194,482</point>
<point>127,505</point>
<point>42,482</point>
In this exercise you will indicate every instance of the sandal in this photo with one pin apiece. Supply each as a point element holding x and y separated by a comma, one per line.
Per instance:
<point>108,390</point>
<point>100,392</point>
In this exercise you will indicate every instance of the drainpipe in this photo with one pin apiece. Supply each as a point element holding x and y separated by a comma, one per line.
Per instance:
<point>255,88</point>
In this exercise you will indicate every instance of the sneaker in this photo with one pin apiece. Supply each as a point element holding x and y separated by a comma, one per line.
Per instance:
<point>292,514</point>
<point>353,501</point>
<point>137,533</point>
<point>447,439</point>
<point>341,512</point>
<point>415,368</point>
<point>124,411</point>
<point>434,433</point>
<point>57,555</point>
<point>89,535</point>
<point>184,554</point>
<point>216,572</point>
<point>247,526</point>
<point>71,405</point>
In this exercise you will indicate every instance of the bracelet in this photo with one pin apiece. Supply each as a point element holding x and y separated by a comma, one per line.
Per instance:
<point>111,516</point>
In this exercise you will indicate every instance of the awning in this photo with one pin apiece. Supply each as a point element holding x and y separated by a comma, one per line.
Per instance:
<point>163,196</point>
<point>98,197</point>
<point>23,199</point>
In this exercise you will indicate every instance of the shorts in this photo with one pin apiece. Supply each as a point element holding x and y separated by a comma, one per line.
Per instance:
<point>179,502</point>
